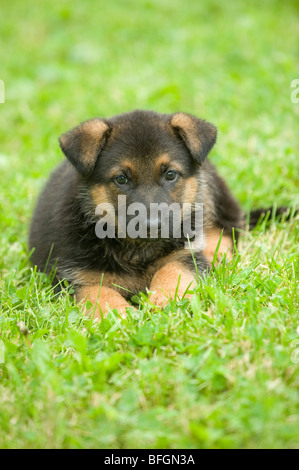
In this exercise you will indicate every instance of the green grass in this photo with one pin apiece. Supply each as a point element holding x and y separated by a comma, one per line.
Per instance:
<point>222,371</point>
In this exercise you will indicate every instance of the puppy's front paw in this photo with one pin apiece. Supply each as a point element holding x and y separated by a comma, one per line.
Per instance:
<point>159,299</point>
<point>103,299</point>
<point>171,282</point>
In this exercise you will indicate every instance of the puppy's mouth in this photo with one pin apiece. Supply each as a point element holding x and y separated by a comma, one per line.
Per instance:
<point>139,233</point>
<point>146,226</point>
<point>147,229</point>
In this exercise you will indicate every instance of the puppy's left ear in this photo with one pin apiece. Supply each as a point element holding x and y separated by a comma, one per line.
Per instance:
<point>83,144</point>
<point>198,135</point>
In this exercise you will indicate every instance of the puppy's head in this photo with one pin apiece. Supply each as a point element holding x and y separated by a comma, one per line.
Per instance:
<point>147,157</point>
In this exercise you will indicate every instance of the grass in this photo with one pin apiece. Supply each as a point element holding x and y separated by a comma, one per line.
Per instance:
<point>221,371</point>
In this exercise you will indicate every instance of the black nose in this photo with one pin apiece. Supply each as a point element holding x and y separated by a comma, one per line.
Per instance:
<point>154,224</point>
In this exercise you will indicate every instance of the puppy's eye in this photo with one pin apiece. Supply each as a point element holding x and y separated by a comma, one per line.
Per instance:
<point>121,179</point>
<point>171,175</point>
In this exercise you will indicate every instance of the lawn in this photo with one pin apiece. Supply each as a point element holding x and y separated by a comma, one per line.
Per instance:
<point>223,370</point>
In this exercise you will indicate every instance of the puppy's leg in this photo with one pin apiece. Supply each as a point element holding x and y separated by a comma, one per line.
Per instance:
<point>212,237</point>
<point>172,278</point>
<point>102,299</point>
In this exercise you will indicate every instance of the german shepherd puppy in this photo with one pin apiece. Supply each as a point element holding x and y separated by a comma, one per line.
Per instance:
<point>148,158</point>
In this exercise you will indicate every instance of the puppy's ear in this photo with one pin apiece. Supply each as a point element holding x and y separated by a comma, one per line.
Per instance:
<point>198,135</point>
<point>83,144</point>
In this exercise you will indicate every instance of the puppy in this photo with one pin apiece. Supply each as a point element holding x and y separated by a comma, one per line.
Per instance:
<point>142,158</point>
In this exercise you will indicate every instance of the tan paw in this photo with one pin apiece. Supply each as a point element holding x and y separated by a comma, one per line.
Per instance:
<point>159,299</point>
<point>103,299</point>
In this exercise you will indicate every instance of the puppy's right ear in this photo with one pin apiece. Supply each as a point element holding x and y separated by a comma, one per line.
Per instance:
<point>83,144</point>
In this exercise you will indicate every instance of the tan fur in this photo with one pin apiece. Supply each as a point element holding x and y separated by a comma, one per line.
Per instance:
<point>186,123</point>
<point>99,194</point>
<point>212,237</point>
<point>161,277</point>
<point>163,159</point>
<point>102,299</point>
<point>166,160</point>
<point>122,283</point>
<point>165,283</point>
<point>191,190</point>
<point>92,132</point>
<point>125,165</point>
<point>205,196</point>
<point>94,128</point>
<point>90,139</point>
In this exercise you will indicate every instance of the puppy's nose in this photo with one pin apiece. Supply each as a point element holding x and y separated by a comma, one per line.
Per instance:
<point>154,224</point>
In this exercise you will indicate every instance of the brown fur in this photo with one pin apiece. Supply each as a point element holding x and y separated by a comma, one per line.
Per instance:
<point>103,298</point>
<point>173,278</point>
<point>212,238</point>
<point>190,190</point>
<point>99,195</point>
<point>91,135</point>
<point>186,124</point>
